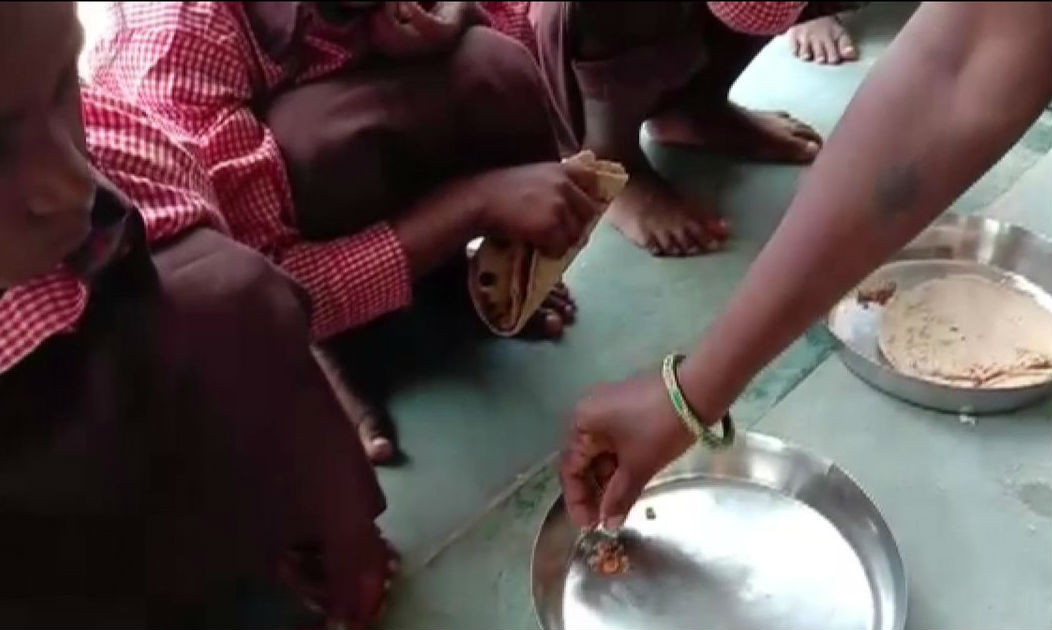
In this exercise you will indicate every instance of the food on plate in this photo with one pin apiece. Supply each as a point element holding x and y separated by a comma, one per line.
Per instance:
<point>608,557</point>
<point>879,294</point>
<point>967,331</point>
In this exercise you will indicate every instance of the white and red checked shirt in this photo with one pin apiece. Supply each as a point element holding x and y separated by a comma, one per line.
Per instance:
<point>758,18</point>
<point>164,181</point>
<point>197,69</point>
<point>754,18</point>
<point>199,52</point>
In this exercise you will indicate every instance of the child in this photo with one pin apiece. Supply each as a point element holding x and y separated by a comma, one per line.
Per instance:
<point>166,431</point>
<point>615,66</point>
<point>358,145</point>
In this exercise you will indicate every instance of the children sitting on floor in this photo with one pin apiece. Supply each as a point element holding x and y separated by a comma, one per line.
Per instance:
<point>358,145</point>
<point>166,433</point>
<point>614,67</point>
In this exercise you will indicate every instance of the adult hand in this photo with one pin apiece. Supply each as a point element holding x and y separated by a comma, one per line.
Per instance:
<point>547,205</point>
<point>621,435</point>
<point>405,29</point>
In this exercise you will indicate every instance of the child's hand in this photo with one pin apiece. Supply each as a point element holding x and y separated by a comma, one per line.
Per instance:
<point>547,205</point>
<point>405,29</point>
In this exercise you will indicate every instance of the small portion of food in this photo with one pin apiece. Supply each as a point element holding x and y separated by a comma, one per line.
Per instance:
<point>966,331</point>
<point>879,294</point>
<point>608,557</point>
<point>650,514</point>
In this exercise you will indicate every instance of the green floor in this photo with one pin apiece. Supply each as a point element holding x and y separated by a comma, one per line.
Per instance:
<point>479,419</point>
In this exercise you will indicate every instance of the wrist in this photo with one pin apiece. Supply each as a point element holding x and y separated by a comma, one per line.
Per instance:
<point>701,390</point>
<point>696,424</point>
<point>467,193</point>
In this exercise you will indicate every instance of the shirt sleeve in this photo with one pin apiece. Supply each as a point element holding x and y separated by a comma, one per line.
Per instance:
<point>191,66</point>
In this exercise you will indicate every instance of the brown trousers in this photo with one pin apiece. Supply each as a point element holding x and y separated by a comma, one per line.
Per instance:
<point>618,63</point>
<point>361,145</point>
<point>173,445</point>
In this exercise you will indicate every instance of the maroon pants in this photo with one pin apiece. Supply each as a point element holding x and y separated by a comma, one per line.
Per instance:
<point>361,145</point>
<point>611,65</point>
<point>173,445</point>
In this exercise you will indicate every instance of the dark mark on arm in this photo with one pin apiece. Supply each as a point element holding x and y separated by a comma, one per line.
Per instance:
<point>897,188</point>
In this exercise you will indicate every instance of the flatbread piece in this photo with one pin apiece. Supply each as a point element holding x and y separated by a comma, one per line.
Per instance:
<point>508,282</point>
<point>967,331</point>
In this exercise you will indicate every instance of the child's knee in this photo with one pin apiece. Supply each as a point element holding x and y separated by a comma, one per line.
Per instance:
<point>212,282</point>
<point>491,70</point>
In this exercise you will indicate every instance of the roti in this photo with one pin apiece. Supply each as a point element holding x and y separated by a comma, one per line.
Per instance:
<point>509,281</point>
<point>967,331</point>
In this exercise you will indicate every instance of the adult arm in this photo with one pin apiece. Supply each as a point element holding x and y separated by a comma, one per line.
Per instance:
<point>957,87</point>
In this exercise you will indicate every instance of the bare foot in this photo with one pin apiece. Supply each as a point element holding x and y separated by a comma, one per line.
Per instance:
<point>378,447</point>
<point>302,570</point>
<point>558,311</point>
<point>823,40</point>
<point>652,215</point>
<point>738,132</point>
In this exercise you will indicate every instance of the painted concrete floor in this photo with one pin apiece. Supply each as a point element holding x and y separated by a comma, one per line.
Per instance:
<point>479,418</point>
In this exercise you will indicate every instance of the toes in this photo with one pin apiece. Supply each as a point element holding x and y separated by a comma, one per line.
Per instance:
<point>685,244</point>
<point>379,450</point>
<point>667,246</point>
<point>561,305</point>
<point>831,53</point>
<point>553,325</point>
<point>805,51</point>
<point>652,246</point>
<point>546,323</point>
<point>846,47</point>
<point>819,50</point>
<point>700,239</point>
<point>806,151</point>
<point>806,132</point>
<point>718,227</point>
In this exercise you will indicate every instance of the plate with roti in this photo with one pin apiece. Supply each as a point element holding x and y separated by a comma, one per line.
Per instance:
<point>959,320</point>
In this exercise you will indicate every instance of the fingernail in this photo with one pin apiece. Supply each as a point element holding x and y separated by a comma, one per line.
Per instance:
<point>812,148</point>
<point>613,523</point>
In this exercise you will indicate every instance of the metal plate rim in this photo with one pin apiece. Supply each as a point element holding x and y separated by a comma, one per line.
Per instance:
<point>894,383</point>
<point>671,475</point>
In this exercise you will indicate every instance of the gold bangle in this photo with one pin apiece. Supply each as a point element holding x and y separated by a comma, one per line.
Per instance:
<point>701,431</point>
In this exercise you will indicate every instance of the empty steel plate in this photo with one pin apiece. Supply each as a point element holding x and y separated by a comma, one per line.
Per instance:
<point>761,536</point>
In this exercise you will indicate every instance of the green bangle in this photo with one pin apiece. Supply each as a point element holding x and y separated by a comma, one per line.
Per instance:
<point>701,431</point>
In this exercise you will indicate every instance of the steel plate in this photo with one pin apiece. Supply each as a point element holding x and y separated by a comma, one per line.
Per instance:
<point>952,245</point>
<point>761,536</point>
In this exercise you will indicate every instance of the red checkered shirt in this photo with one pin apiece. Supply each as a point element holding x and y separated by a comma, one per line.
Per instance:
<point>758,18</point>
<point>198,68</point>
<point>164,181</point>
<point>512,18</point>
<point>755,18</point>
